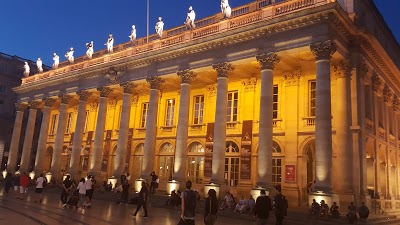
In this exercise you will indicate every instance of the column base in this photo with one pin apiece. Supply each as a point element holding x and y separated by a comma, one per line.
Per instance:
<point>48,176</point>
<point>171,186</point>
<point>329,198</point>
<point>4,173</point>
<point>138,184</point>
<point>32,175</point>
<point>113,181</point>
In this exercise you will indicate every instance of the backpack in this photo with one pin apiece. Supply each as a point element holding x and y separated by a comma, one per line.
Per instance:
<point>190,203</point>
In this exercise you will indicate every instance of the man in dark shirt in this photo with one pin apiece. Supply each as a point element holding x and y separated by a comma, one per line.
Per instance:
<point>67,186</point>
<point>262,208</point>
<point>143,197</point>
<point>281,206</point>
<point>16,181</point>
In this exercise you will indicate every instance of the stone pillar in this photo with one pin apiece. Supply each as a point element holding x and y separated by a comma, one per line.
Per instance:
<point>59,142</point>
<point>30,128</point>
<point>151,126</point>
<point>123,129</point>
<point>264,163</point>
<point>376,87</point>
<point>98,145</point>
<point>78,134</point>
<point>323,119</point>
<point>44,129</point>
<point>387,98</point>
<point>396,109</point>
<point>14,145</point>
<point>180,166</point>
<point>218,159</point>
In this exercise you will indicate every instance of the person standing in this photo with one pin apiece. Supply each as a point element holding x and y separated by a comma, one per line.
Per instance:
<point>8,182</point>
<point>67,186</point>
<point>16,182</point>
<point>143,198</point>
<point>281,206</point>
<point>89,191</point>
<point>211,208</point>
<point>188,206</point>
<point>82,192</point>
<point>23,182</point>
<point>125,192</point>
<point>153,184</point>
<point>40,182</point>
<point>262,208</point>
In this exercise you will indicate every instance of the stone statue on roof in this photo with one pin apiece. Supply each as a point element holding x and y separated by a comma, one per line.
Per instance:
<point>226,9</point>
<point>159,27</point>
<point>39,65</point>
<point>191,16</point>
<point>89,51</point>
<point>70,55</point>
<point>56,60</point>
<point>133,34</point>
<point>27,69</point>
<point>110,44</point>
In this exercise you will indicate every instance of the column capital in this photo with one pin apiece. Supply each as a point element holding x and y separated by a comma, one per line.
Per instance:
<point>128,87</point>
<point>104,91</point>
<point>342,69</point>
<point>268,60</point>
<point>223,69</point>
<point>387,95</point>
<point>154,81</point>
<point>187,76</point>
<point>20,107</point>
<point>49,102</point>
<point>376,83</point>
<point>34,104</point>
<point>292,79</point>
<point>64,98</point>
<point>323,49</point>
<point>396,104</point>
<point>362,70</point>
<point>83,95</point>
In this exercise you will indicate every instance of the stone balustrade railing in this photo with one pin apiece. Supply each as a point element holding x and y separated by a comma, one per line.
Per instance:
<point>241,16</point>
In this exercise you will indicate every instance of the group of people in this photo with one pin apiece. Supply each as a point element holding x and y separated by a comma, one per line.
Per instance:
<point>264,205</point>
<point>318,210</point>
<point>20,184</point>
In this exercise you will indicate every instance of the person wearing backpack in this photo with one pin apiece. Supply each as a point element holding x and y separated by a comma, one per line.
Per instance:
<point>281,205</point>
<point>188,207</point>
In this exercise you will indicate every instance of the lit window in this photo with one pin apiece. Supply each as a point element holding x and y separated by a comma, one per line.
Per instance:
<point>195,162</point>
<point>198,109</point>
<point>169,117</point>
<point>276,171</point>
<point>232,106</point>
<point>275,103</point>
<point>86,120</point>
<point>312,95</point>
<point>53,125</point>
<point>69,122</point>
<point>145,112</point>
<point>232,164</point>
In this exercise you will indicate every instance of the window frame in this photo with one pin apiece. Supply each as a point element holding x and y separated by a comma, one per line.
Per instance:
<point>231,116</point>
<point>198,114</point>
<point>144,114</point>
<point>311,99</point>
<point>53,124</point>
<point>169,112</point>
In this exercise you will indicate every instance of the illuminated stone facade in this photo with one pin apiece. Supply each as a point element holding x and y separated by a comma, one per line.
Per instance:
<point>284,93</point>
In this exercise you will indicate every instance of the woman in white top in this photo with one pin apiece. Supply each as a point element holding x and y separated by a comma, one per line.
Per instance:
<point>82,192</point>
<point>40,183</point>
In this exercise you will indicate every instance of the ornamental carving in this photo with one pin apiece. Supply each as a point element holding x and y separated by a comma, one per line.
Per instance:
<point>212,90</point>
<point>387,95</point>
<point>112,103</point>
<point>154,81</point>
<point>49,102</point>
<point>104,91</point>
<point>34,104</point>
<point>64,98</point>
<point>83,95</point>
<point>323,49</point>
<point>93,106</point>
<point>187,76</point>
<point>113,74</point>
<point>135,100</point>
<point>20,107</point>
<point>249,84</point>
<point>342,69</point>
<point>362,70</point>
<point>223,69</point>
<point>376,82</point>
<point>268,60</point>
<point>128,87</point>
<point>292,79</point>
<point>396,104</point>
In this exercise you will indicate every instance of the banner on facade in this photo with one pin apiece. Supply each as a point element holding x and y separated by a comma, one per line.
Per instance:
<point>245,150</point>
<point>128,152</point>
<point>85,151</point>
<point>290,173</point>
<point>106,151</point>
<point>209,150</point>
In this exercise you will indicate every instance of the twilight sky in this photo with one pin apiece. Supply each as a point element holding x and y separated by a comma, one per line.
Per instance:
<point>32,29</point>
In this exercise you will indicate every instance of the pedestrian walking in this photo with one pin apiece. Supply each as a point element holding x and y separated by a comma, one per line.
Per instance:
<point>40,184</point>
<point>67,186</point>
<point>211,208</point>
<point>154,182</point>
<point>82,192</point>
<point>23,188</point>
<point>89,184</point>
<point>8,182</point>
<point>188,207</point>
<point>281,205</point>
<point>142,201</point>
<point>125,192</point>
<point>262,208</point>
<point>16,182</point>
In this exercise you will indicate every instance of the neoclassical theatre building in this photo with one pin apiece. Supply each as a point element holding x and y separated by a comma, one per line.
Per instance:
<point>283,92</point>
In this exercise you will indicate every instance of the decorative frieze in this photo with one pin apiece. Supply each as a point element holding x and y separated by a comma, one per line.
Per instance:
<point>20,107</point>
<point>113,74</point>
<point>292,79</point>
<point>128,87</point>
<point>154,81</point>
<point>212,90</point>
<point>64,98</point>
<point>187,76</point>
<point>342,69</point>
<point>83,95</point>
<point>104,91</point>
<point>249,84</point>
<point>323,49</point>
<point>268,60</point>
<point>223,69</point>
<point>49,102</point>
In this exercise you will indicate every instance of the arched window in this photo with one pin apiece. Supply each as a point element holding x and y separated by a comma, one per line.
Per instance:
<point>277,163</point>
<point>195,161</point>
<point>137,161</point>
<point>166,163</point>
<point>232,164</point>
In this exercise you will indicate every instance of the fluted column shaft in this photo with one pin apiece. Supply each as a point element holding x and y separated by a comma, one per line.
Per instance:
<point>13,153</point>
<point>264,163</point>
<point>183,125</point>
<point>120,158</point>
<point>323,117</point>
<point>30,128</point>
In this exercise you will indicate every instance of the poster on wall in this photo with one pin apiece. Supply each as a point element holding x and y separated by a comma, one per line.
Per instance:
<point>245,150</point>
<point>128,152</point>
<point>71,141</point>
<point>290,173</point>
<point>107,147</point>
<point>86,151</point>
<point>209,150</point>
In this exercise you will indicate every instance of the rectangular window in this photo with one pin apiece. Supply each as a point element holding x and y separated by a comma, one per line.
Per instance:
<point>169,115</point>
<point>196,169</point>
<point>86,121</point>
<point>69,123</point>
<point>380,105</point>
<point>275,103</point>
<point>198,110</point>
<point>312,95</point>
<point>232,106</point>
<point>276,171</point>
<point>145,112</point>
<point>53,125</point>
<point>231,174</point>
<point>166,168</point>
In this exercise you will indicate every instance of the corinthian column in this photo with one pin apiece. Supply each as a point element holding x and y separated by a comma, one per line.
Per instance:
<point>95,161</point>
<point>30,128</point>
<point>187,77</point>
<point>218,160</point>
<point>151,126</point>
<point>344,153</point>
<point>323,119</point>
<point>264,164</point>
<point>44,129</point>
<point>13,154</point>
<point>122,145</point>
<point>58,144</point>
<point>78,135</point>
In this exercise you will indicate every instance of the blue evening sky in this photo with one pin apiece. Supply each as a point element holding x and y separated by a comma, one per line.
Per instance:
<point>32,29</point>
